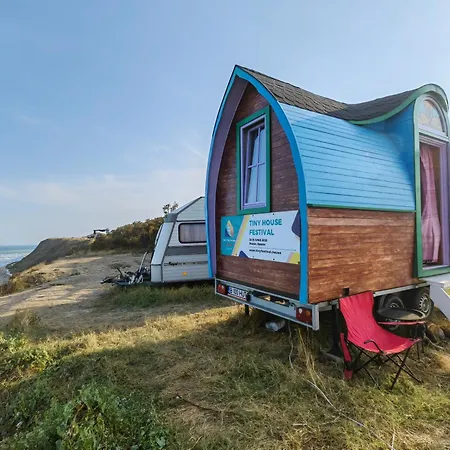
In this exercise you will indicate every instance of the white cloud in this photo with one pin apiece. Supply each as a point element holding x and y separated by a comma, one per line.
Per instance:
<point>75,207</point>
<point>195,144</point>
<point>7,192</point>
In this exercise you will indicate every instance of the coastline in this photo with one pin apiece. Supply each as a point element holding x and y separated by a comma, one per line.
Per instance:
<point>4,275</point>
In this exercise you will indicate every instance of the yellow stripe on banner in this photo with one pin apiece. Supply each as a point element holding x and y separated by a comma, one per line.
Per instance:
<point>240,236</point>
<point>294,258</point>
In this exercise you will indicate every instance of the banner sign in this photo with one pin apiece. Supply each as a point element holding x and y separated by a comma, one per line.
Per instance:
<point>270,237</point>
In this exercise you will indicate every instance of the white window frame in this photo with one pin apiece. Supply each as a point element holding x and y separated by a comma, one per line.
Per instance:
<point>244,152</point>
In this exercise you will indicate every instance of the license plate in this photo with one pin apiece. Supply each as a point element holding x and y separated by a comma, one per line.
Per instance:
<point>241,294</point>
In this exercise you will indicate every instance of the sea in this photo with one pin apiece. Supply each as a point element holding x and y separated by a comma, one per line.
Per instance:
<point>13,253</point>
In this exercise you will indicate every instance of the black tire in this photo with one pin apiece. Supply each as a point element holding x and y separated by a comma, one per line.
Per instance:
<point>421,300</point>
<point>392,301</point>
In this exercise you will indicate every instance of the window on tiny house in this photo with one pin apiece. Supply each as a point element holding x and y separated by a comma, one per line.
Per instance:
<point>253,152</point>
<point>434,185</point>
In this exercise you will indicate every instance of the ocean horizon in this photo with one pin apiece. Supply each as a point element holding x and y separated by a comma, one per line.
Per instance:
<point>13,253</point>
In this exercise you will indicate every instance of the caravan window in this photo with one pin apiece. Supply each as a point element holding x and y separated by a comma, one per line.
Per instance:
<point>192,233</point>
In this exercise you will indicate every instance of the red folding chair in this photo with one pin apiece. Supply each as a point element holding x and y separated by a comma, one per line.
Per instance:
<point>370,339</point>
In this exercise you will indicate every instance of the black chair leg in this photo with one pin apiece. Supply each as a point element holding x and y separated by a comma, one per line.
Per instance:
<point>370,375</point>
<point>405,367</point>
<point>400,368</point>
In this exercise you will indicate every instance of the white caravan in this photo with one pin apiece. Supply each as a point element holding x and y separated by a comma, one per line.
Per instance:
<point>180,253</point>
<point>180,250</point>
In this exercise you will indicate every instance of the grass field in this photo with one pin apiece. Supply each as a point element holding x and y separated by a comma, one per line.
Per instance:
<point>201,375</point>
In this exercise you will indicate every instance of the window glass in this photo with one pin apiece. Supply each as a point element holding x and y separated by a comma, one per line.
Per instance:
<point>262,152</point>
<point>252,181</point>
<point>192,233</point>
<point>254,161</point>
<point>430,117</point>
<point>261,196</point>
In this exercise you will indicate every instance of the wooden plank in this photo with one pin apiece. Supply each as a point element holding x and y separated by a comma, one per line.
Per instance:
<point>352,222</point>
<point>360,250</point>
<point>267,274</point>
<point>345,213</point>
<point>356,231</point>
<point>318,245</point>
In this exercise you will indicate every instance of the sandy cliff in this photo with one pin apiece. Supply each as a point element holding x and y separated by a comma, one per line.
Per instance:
<point>50,250</point>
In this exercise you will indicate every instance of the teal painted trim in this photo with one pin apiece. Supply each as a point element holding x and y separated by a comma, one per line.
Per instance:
<point>265,112</point>
<point>361,208</point>
<point>254,116</point>
<point>432,272</point>
<point>427,89</point>
<point>419,255</point>
<point>281,116</point>
<point>418,265</point>
<point>246,211</point>
<point>213,138</point>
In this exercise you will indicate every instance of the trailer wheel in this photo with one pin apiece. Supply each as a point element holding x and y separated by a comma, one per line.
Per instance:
<point>421,300</point>
<point>392,301</point>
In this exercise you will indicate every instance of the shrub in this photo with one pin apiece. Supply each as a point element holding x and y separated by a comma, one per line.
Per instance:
<point>96,418</point>
<point>16,355</point>
<point>137,235</point>
<point>134,236</point>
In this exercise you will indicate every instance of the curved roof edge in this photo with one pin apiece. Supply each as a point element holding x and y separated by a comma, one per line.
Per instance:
<point>239,73</point>
<point>426,89</point>
<point>360,113</point>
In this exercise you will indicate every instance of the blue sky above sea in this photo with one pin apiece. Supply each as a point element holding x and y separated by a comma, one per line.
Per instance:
<point>108,106</point>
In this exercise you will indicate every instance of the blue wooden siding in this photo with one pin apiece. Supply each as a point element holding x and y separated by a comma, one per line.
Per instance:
<point>400,128</point>
<point>353,166</point>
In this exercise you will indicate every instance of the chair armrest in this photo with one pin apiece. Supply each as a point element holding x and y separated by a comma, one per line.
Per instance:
<point>374,343</point>
<point>401,323</point>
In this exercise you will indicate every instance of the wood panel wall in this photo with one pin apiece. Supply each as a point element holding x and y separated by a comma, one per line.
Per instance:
<point>273,276</point>
<point>360,250</point>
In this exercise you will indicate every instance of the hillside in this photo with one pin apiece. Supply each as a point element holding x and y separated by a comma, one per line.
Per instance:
<point>134,236</point>
<point>50,250</point>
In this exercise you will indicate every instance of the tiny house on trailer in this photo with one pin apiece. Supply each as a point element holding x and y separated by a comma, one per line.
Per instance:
<point>180,249</point>
<point>310,199</point>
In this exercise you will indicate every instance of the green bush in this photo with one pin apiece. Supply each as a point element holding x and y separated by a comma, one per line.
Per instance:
<point>49,400</point>
<point>97,418</point>
<point>134,236</point>
<point>137,235</point>
<point>17,356</point>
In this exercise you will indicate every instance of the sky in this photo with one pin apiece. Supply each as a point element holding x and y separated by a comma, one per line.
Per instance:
<point>107,107</point>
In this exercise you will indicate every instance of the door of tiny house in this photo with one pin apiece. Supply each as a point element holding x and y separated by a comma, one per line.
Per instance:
<point>433,200</point>
<point>432,189</point>
<point>434,203</point>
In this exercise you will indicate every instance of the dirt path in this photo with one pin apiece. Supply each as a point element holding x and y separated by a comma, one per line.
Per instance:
<point>68,302</point>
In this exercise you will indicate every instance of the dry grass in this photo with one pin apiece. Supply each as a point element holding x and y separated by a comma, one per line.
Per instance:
<point>29,278</point>
<point>220,381</point>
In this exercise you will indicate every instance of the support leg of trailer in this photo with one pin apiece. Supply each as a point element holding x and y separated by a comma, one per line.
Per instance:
<point>247,310</point>
<point>335,349</point>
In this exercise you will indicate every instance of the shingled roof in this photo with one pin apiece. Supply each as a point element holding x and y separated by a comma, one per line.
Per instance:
<point>295,96</point>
